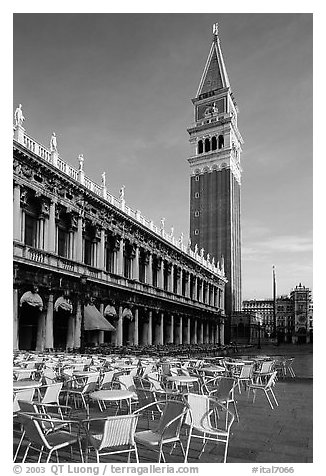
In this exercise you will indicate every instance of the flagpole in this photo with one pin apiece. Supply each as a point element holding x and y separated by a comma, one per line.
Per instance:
<point>274,303</point>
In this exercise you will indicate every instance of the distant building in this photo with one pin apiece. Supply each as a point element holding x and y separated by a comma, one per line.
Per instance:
<point>294,315</point>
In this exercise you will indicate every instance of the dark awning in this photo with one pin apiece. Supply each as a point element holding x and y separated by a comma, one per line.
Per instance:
<point>94,321</point>
<point>62,303</point>
<point>33,299</point>
<point>110,311</point>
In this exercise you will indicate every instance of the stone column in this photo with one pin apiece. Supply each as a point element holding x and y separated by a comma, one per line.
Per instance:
<point>150,329</point>
<point>195,288</point>
<point>15,319</point>
<point>149,270</point>
<point>207,333</point>
<point>162,329</point>
<point>136,331</point>
<point>217,334</point>
<point>188,331</point>
<point>49,324</point>
<point>161,275</point>
<point>201,296</point>
<point>120,258</point>
<point>119,333</point>
<point>79,240</point>
<point>135,264</point>
<point>195,332</point>
<point>101,250</point>
<point>41,331</point>
<point>78,323</point>
<point>180,330</point>
<point>187,288</point>
<point>179,285</point>
<point>16,214</point>
<point>201,335</point>
<point>170,278</point>
<point>171,337</point>
<point>222,332</point>
<point>51,229</point>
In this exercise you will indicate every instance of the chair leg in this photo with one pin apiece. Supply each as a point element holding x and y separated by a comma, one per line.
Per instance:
<point>269,400</point>
<point>226,449</point>
<point>274,397</point>
<point>19,446</point>
<point>236,410</point>
<point>26,451</point>
<point>188,445</point>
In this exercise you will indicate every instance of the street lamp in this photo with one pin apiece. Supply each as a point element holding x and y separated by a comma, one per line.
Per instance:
<point>83,282</point>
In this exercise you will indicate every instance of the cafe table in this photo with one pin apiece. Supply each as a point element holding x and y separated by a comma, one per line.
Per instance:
<point>112,396</point>
<point>182,380</point>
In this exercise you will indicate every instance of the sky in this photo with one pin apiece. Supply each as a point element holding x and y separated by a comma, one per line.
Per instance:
<point>118,88</point>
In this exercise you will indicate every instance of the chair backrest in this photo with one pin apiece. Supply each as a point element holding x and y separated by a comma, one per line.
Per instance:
<point>147,369</point>
<point>172,417</point>
<point>127,383</point>
<point>199,407</point>
<point>49,375</point>
<point>91,382</point>
<point>246,371</point>
<point>118,431</point>
<point>266,366</point>
<point>24,374</point>
<point>26,394</point>
<point>33,430</point>
<point>107,380</point>
<point>224,388</point>
<point>271,380</point>
<point>52,393</point>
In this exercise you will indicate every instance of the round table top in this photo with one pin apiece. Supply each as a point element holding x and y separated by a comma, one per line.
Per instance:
<point>213,368</point>
<point>22,384</point>
<point>111,395</point>
<point>83,373</point>
<point>182,378</point>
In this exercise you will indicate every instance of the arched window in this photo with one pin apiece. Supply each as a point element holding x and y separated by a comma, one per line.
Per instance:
<point>220,142</point>
<point>207,145</point>
<point>214,143</point>
<point>200,147</point>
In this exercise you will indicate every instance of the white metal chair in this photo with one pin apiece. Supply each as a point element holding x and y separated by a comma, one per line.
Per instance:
<point>168,428</point>
<point>210,419</point>
<point>267,388</point>
<point>46,443</point>
<point>115,436</point>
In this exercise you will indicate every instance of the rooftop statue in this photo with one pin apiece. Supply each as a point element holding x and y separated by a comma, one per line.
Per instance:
<point>103,179</point>
<point>196,249</point>
<point>202,251</point>
<point>53,143</point>
<point>122,193</point>
<point>162,223</point>
<point>19,118</point>
<point>81,162</point>
<point>181,239</point>
<point>172,231</point>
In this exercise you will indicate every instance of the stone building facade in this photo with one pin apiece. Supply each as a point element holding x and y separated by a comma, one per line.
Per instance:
<point>88,268</point>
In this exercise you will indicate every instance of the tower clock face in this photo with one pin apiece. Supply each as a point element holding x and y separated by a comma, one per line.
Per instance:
<point>302,319</point>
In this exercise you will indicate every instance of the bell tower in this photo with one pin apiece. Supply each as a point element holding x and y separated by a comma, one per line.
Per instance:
<point>215,173</point>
